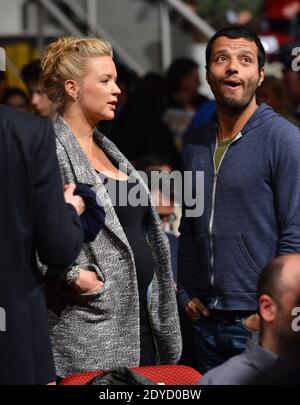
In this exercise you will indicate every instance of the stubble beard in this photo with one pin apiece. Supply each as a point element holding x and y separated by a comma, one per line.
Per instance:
<point>235,104</point>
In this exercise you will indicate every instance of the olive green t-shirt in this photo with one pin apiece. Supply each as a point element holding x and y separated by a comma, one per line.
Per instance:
<point>221,149</point>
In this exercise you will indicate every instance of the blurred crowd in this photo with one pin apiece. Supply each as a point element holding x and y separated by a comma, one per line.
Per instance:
<point>156,112</point>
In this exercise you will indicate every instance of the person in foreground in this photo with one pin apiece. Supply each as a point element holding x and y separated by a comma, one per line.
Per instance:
<point>249,156</point>
<point>278,292</point>
<point>120,306</point>
<point>33,218</point>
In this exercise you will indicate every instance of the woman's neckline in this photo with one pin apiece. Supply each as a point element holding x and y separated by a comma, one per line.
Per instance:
<point>110,178</point>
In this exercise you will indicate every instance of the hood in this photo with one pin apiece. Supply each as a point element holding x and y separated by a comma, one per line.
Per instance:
<point>261,115</point>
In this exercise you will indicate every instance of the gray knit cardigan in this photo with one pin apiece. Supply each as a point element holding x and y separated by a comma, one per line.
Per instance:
<point>100,330</point>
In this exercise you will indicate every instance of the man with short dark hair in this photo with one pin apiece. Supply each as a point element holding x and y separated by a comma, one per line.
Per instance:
<point>31,74</point>
<point>278,293</point>
<point>250,159</point>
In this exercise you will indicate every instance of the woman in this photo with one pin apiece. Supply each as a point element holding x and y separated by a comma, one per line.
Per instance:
<point>119,308</point>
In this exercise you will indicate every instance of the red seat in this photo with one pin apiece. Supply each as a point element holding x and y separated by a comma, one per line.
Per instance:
<point>167,374</point>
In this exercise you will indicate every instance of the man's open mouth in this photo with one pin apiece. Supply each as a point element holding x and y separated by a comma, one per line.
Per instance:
<point>232,83</point>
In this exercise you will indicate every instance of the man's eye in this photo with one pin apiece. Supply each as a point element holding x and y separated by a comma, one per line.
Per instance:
<point>221,59</point>
<point>247,60</point>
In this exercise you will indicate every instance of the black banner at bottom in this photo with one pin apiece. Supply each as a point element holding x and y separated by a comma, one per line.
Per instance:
<point>136,394</point>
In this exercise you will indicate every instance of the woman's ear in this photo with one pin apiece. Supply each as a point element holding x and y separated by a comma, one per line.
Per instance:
<point>71,88</point>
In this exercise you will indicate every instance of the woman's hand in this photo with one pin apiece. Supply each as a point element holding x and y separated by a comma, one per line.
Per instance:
<point>88,281</point>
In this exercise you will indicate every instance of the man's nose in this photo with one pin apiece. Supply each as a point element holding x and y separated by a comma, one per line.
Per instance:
<point>232,67</point>
<point>34,99</point>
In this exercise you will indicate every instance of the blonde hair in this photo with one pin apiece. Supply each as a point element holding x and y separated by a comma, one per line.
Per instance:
<point>66,59</point>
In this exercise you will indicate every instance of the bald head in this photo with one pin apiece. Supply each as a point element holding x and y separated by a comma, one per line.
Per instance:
<point>290,275</point>
<point>278,298</point>
<point>280,276</point>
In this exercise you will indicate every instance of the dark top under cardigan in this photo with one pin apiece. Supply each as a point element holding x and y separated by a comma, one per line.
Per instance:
<point>132,221</point>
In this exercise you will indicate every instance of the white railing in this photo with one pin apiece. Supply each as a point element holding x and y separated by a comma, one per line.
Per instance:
<point>131,42</point>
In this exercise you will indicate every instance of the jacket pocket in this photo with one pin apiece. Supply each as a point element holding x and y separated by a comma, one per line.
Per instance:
<point>234,268</point>
<point>245,252</point>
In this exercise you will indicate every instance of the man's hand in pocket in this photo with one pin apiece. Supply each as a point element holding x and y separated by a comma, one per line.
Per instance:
<point>195,309</point>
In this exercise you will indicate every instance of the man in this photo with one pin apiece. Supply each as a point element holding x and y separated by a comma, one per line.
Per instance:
<point>278,294</point>
<point>250,159</point>
<point>31,74</point>
<point>33,218</point>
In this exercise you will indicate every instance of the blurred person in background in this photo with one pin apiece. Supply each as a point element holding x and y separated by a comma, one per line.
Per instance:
<point>273,92</point>
<point>292,82</point>
<point>157,170</point>
<point>17,98</point>
<point>125,81</point>
<point>140,130</point>
<point>223,13</point>
<point>182,80</point>
<point>31,75</point>
<point>284,16</point>
<point>291,75</point>
<point>120,307</point>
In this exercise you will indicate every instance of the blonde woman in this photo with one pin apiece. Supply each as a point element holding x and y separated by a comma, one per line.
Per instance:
<point>118,307</point>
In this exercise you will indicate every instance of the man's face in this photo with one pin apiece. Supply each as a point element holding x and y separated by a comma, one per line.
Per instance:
<point>233,72</point>
<point>191,82</point>
<point>165,207</point>
<point>40,101</point>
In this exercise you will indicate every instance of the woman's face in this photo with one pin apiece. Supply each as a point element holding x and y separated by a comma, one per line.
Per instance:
<point>98,91</point>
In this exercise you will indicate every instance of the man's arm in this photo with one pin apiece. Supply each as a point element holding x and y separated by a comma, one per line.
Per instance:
<point>187,261</point>
<point>286,188</point>
<point>57,229</point>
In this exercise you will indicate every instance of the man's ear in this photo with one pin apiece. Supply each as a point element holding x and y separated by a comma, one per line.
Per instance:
<point>71,88</point>
<point>267,308</point>
<point>207,75</point>
<point>261,76</point>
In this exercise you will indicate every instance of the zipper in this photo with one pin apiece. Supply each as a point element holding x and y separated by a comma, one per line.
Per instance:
<point>211,219</point>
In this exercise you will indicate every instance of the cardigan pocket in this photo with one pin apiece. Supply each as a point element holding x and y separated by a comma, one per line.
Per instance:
<point>99,291</point>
